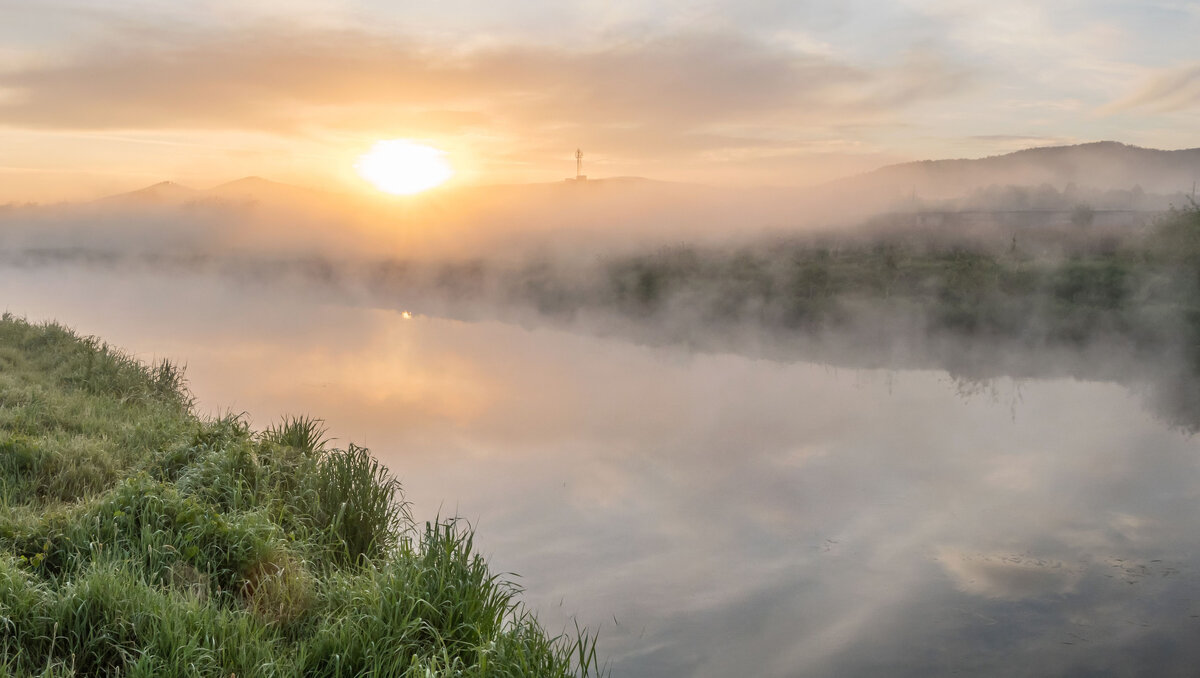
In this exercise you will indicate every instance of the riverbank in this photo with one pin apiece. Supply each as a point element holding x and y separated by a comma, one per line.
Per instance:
<point>139,539</point>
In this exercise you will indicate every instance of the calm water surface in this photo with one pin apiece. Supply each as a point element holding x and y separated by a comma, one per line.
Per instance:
<point>716,515</point>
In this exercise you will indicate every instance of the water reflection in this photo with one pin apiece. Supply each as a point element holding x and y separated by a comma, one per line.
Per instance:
<point>717,514</point>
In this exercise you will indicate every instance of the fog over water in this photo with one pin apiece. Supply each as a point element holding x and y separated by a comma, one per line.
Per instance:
<point>761,339</point>
<point>713,512</point>
<point>732,438</point>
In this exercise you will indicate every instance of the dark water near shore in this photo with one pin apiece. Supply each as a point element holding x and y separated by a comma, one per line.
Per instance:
<point>714,514</point>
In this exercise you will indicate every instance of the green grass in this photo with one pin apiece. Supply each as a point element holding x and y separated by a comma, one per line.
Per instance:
<point>137,539</point>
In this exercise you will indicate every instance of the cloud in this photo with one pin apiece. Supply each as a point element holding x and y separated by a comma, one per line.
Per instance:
<point>688,89</point>
<point>1008,576</point>
<point>1168,90</point>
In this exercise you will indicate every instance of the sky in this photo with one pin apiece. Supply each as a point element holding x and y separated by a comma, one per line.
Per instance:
<point>97,98</point>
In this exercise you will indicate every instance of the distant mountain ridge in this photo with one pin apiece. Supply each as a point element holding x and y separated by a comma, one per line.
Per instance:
<point>256,187</point>
<point>162,193</point>
<point>627,214</point>
<point>1105,174</point>
<point>170,192</point>
<point>1100,165</point>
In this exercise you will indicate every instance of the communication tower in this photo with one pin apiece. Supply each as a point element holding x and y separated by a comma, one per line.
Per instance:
<point>579,176</point>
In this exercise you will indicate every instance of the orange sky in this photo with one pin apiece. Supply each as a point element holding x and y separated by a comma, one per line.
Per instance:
<point>95,101</point>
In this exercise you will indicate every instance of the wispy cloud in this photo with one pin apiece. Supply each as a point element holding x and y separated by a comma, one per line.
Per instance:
<point>1173,89</point>
<point>289,79</point>
<point>742,90</point>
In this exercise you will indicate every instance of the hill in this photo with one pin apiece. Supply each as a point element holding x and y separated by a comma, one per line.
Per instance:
<point>162,193</point>
<point>1114,185</point>
<point>239,191</point>
<point>1103,165</point>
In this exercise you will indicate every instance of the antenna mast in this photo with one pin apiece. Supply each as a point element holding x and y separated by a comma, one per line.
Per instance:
<point>578,163</point>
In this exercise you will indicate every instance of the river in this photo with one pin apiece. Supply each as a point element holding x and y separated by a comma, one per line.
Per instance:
<point>714,513</point>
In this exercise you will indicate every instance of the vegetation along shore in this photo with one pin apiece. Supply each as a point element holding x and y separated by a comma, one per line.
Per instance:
<point>139,539</point>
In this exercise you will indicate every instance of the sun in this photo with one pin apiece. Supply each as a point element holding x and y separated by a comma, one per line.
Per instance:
<point>401,167</point>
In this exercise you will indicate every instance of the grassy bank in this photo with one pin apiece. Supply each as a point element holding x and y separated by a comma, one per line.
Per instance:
<point>137,539</point>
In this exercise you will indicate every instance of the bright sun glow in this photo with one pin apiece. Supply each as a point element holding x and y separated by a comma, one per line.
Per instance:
<point>400,167</point>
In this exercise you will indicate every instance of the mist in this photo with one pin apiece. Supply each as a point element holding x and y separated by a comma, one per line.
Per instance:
<point>807,430</point>
<point>781,274</point>
<point>739,338</point>
<point>674,497</point>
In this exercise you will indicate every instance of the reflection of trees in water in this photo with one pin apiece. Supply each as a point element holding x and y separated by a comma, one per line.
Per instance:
<point>1175,398</point>
<point>1169,389</point>
<point>1068,303</point>
<point>1102,308</point>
